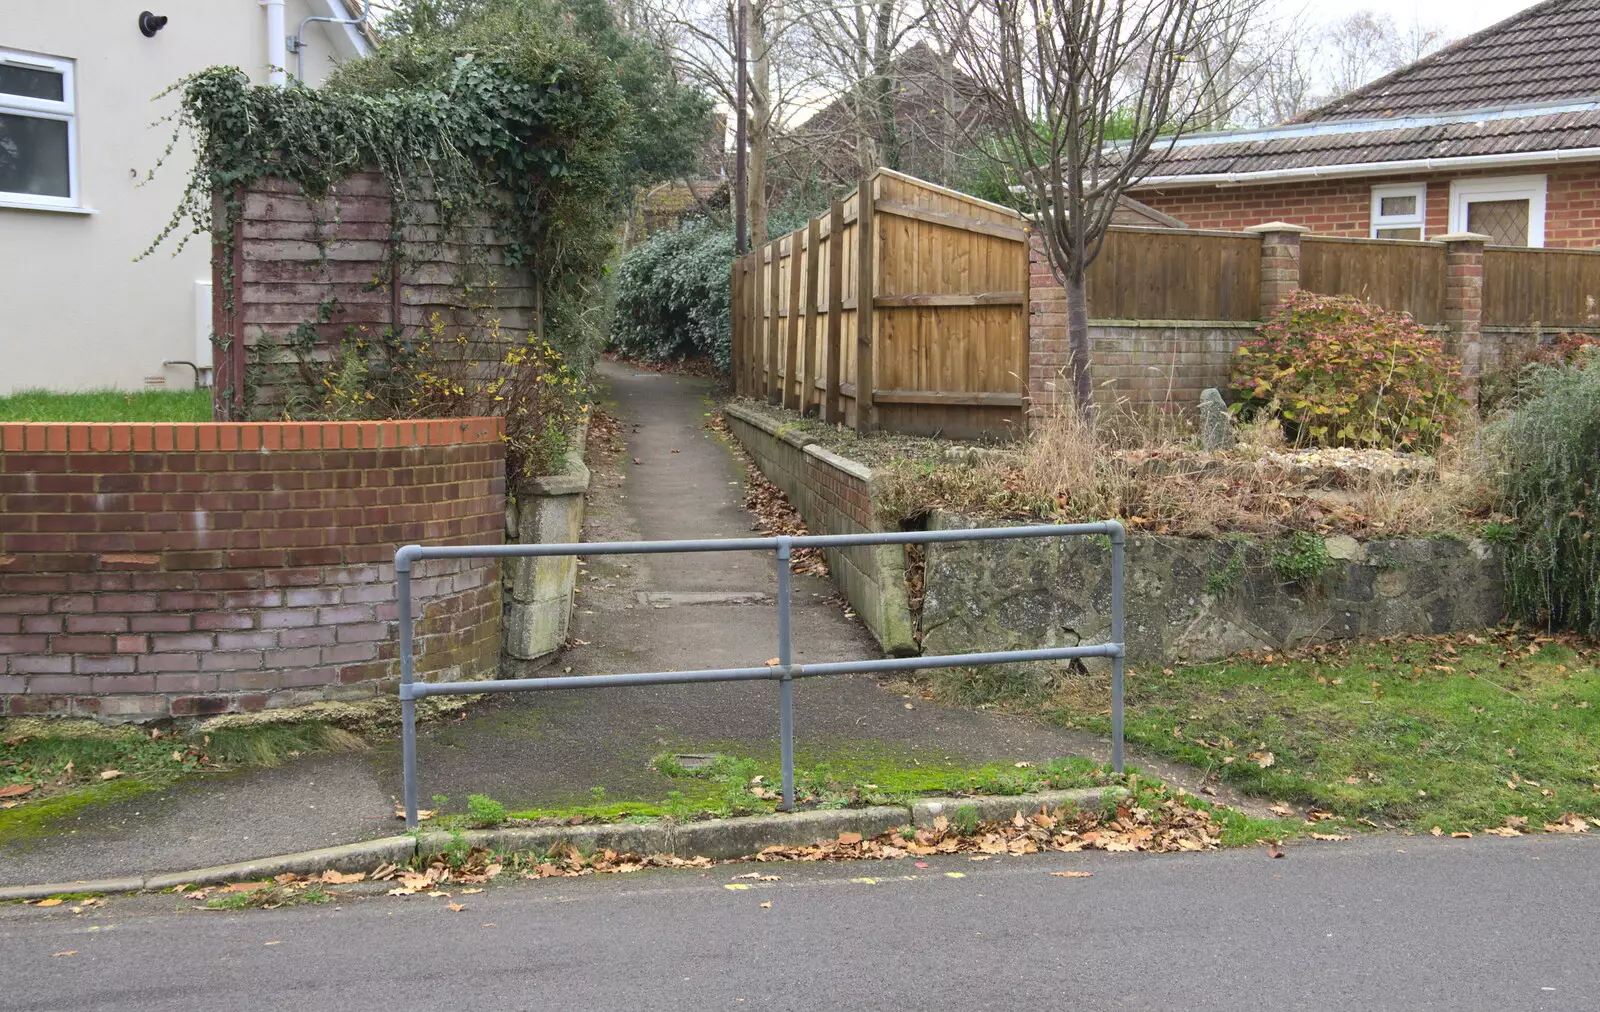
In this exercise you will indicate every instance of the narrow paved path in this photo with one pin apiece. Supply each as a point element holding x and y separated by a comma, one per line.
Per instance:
<point>1388,924</point>
<point>644,613</point>
<point>678,479</point>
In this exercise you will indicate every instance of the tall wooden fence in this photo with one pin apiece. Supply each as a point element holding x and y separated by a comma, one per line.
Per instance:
<point>1201,275</point>
<point>942,346</point>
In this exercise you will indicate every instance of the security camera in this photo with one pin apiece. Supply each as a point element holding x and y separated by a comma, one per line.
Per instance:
<point>149,23</point>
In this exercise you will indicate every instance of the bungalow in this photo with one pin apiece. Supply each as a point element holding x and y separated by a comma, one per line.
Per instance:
<point>1497,134</point>
<point>76,143</point>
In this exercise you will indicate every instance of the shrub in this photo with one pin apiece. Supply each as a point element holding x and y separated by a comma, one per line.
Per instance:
<point>435,372</point>
<point>1550,453</point>
<point>484,812</point>
<point>1348,373</point>
<point>673,294</point>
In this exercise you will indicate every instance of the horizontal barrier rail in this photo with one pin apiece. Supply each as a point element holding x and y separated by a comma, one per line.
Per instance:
<point>785,671</point>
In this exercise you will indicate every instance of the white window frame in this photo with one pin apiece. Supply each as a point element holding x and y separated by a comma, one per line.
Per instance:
<point>1418,220</point>
<point>39,108</point>
<point>1529,188</point>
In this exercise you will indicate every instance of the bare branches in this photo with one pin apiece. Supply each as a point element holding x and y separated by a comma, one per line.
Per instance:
<point>1089,89</point>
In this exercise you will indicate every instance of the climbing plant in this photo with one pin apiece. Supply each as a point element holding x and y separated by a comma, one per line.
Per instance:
<point>516,130</point>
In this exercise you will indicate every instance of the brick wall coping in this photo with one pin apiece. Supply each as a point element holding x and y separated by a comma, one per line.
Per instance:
<point>851,467</point>
<point>805,444</point>
<point>115,437</point>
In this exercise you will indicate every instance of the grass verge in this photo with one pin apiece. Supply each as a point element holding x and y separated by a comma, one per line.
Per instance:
<point>50,769</point>
<point>107,406</point>
<point>729,785</point>
<point>1463,733</point>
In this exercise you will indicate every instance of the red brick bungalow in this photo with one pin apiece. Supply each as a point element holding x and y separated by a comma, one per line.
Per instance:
<point>1497,134</point>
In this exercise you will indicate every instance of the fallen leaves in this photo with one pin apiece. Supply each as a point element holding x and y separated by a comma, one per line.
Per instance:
<point>67,952</point>
<point>1072,874</point>
<point>1571,822</point>
<point>331,877</point>
<point>1330,836</point>
<point>50,901</point>
<point>110,774</point>
<point>1263,759</point>
<point>1281,810</point>
<point>1166,825</point>
<point>15,790</point>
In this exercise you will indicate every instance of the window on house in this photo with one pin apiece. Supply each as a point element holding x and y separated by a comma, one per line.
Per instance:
<point>1509,209</point>
<point>37,158</point>
<point>1399,211</point>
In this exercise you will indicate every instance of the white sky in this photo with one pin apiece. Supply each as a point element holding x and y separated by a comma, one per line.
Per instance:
<point>1456,17</point>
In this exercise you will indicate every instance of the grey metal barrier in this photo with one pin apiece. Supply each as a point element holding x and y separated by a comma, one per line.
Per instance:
<point>785,671</point>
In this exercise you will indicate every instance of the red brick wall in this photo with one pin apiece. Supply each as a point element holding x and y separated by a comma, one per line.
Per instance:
<point>841,491</point>
<point>1343,207</point>
<point>161,569</point>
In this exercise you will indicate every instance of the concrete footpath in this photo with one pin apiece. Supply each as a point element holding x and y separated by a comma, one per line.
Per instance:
<point>675,479</point>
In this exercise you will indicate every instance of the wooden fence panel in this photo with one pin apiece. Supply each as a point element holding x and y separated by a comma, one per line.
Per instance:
<point>1175,274</point>
<point>946,325</point>
<point>1548,287</point>
<point>1396,274</point>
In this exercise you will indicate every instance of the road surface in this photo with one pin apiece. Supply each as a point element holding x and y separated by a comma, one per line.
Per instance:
<point>1385,922</point>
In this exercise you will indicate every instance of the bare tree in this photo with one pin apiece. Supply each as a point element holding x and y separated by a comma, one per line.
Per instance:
<point>1089,90</point>
<point>1369,43</point>
<point>700,36</point>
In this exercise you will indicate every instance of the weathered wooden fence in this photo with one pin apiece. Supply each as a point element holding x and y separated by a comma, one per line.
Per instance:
<point>1192,274</point>
<point>943,343</point>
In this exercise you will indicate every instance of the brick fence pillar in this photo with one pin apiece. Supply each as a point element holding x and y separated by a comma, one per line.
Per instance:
<point>1280,262</point>
<point>1463,304</point>
<point>1049,359</point>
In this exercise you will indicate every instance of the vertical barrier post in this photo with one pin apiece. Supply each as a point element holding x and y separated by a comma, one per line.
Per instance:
<point>786,680</point>
<point>834,350</point>
<point>408,706</point>
<point>1118,540</point>
<point>866,314</point>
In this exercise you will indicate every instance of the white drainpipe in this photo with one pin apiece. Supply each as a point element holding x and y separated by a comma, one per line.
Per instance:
<point>277,44</point>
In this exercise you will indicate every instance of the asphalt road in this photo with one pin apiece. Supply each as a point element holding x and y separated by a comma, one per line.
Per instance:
<point>1381,923</point>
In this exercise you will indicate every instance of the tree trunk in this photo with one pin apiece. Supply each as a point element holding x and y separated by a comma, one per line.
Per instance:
<point>1078,341</point>
<point>761,28</point>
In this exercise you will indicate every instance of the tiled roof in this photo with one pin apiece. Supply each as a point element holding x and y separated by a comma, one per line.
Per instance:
<point>1565,130</point>
<point>1543,54</point>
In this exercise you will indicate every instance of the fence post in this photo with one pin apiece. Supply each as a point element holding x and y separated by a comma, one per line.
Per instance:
<point>773,391</point>
<point>1463,304</point>
<point>736,318</point>
<point>1280,262</point>
<point>834,341</point>
<point>866,290</point>
<point>758,323</point>
<point>791,363</point>
<point>808,386</point>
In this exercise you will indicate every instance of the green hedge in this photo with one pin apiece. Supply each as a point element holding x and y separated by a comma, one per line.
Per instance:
<point>673,295</point>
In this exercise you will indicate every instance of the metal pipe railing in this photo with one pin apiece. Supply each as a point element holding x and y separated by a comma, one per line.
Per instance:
<point>785,671</point>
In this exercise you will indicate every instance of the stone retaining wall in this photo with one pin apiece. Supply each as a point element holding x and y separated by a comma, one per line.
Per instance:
<point>151,570</point>
<point>1199,599</point>
<point>834,496</point>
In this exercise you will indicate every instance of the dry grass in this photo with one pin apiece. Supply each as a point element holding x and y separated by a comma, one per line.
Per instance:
<point>1073,469</point>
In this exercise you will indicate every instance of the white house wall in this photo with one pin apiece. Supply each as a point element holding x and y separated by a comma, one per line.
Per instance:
<point>76,311</point>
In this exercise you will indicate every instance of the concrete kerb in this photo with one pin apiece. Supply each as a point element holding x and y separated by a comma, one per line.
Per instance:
<point>718,839</point>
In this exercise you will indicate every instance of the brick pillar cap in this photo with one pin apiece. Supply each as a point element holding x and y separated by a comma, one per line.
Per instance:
<point>1464,237</point>
<point>1276,226</point>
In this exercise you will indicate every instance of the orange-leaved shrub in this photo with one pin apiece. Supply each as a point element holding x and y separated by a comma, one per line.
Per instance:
<point>1343,372</point>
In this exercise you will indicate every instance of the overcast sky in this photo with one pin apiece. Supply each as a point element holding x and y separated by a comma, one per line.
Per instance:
<point>1456,17</point>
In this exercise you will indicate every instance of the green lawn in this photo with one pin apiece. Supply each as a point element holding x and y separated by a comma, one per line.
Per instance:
<point>1459,733</point>
<point>107,406</point>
